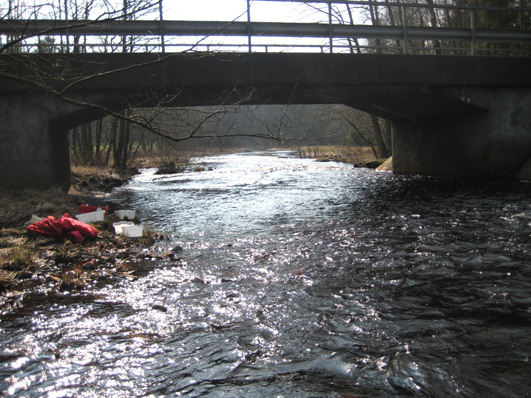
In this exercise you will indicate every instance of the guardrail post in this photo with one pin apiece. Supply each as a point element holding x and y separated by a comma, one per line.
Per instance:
<point>249,26</point>
<point>331,40</point>
<point>161,27</point>
<point>404,28</point>
<point>67,30</point>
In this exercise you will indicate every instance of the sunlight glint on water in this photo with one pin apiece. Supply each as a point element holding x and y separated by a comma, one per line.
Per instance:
<point>298,279</point>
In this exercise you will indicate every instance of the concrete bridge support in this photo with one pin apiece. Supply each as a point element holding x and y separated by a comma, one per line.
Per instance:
<point>492,143</point>
<point>33,155</point>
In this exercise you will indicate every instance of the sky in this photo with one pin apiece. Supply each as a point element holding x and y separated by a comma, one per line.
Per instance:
<point>211,10</point>
<point>220,10</point>
<point>267,11</point>
<point>228,10</point>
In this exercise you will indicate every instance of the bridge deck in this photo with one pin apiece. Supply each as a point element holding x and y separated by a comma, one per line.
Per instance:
<point>392,86</point>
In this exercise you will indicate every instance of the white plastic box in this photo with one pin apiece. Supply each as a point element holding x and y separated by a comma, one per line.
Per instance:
<point>93,216</point>
<point>119,226</point>
<point>133,231</point>
<point>123,214</point>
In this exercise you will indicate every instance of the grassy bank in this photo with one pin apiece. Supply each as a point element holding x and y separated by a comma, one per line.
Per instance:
<point>360,156</point>
<point>33,266</point>
<point>46,264</point>
<point>17,206</point>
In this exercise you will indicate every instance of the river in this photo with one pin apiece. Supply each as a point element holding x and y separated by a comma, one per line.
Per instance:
<point>297,279</point>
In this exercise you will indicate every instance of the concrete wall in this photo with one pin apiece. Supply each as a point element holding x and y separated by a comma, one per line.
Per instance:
<point>32,155</point>
<point>493,143</point>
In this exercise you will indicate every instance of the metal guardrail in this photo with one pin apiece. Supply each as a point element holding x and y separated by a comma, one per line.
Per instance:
<point>334,33</point>
<point>404,4</point>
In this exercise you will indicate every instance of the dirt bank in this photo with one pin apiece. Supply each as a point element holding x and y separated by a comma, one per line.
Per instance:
<point>17,206</point>
<point>48,265</point>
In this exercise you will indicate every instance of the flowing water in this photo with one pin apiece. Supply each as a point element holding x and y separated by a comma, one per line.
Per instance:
<point>297,279</point>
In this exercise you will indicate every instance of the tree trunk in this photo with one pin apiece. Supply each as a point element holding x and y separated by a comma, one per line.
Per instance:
<point>119,147</point>
<point>392,18</point>
<point>74,142</point>
<point>86,143</point>
<point>383,151</point>
<point>375,20</point>
<point>126,147</point>
<point>355,40</point>
<point>433,23</point>
<point>112,141</point>
<point>121,152</point>
<point>97,144</point>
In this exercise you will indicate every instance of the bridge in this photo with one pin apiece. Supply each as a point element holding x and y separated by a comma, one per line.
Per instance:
<point>455,115</point>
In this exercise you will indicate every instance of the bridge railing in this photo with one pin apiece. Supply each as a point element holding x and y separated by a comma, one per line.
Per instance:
<point>342,26</point>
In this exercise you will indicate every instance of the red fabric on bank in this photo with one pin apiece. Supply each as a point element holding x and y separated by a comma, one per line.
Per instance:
<point>64,226</point>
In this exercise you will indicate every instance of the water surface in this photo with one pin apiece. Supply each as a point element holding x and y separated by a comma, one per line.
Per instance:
<point>297,279</point>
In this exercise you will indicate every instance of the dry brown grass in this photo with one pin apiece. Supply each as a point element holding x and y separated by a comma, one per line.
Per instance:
<point>357,155</point>
<point>17,258</point>
<point>17,206</point>
<point>7,277</point>
<point>91,170</point>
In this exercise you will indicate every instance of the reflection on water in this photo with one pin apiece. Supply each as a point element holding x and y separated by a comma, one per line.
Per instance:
<point>299,279</point>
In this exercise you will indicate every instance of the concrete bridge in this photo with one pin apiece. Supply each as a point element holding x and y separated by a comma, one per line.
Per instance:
<point>453,116</point>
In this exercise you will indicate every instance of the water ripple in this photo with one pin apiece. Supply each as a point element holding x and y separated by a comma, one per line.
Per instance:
<point>298,279</point>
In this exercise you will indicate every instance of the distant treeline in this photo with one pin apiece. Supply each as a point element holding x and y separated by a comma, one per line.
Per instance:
<point>118,142</point>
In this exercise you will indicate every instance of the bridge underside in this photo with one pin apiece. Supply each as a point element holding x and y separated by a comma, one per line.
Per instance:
<point>454,116</point>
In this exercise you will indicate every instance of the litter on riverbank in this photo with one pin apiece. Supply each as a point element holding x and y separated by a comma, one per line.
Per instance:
<point>55,263</point>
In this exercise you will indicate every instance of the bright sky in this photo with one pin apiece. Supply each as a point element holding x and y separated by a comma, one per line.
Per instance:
<point>228,10</point>
<point>206,10</point>
<point>217,10</point>
<point>268,11</point>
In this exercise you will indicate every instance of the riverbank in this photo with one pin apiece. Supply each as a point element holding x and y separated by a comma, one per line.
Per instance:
<point>17,206</point>
<point>359,156</point>
<point>46,264</point>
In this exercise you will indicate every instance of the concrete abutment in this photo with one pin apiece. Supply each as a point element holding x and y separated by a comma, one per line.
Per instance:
<point>33,155</point>
<point>492,143</point>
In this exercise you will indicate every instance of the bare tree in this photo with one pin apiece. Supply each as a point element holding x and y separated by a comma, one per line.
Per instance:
<point>56,78</point>
<point>377,139</point>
